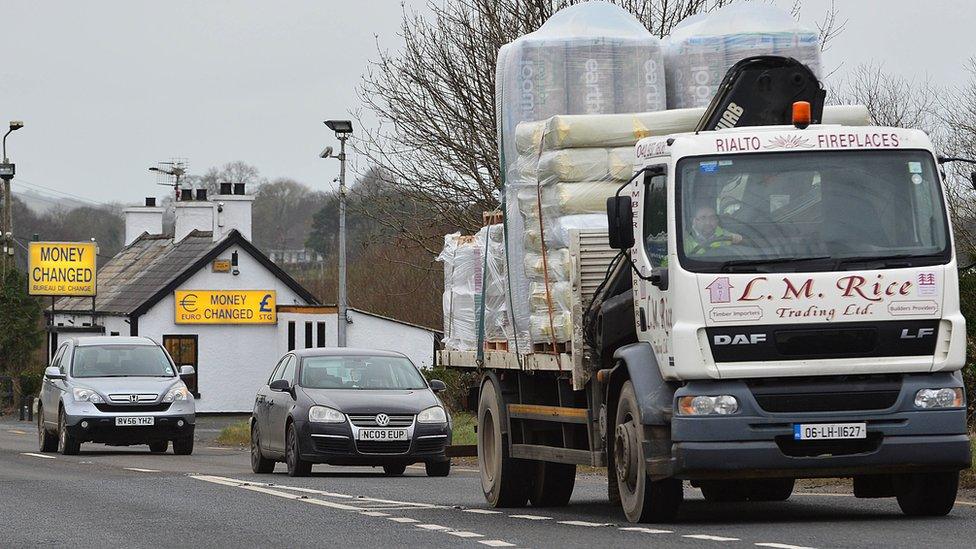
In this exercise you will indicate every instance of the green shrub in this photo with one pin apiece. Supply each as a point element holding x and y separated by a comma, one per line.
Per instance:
<point>457,381</point>
<point>967,299</point>
<point>238,434</point>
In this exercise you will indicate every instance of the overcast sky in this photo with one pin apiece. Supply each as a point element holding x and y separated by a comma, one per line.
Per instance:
<point>106,89</point>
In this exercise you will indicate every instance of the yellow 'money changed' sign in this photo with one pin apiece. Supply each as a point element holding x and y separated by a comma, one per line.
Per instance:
<point>62,268</point>
<point>225,307</point>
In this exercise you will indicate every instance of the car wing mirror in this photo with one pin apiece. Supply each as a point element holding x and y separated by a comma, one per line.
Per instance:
<point>53,372</point>
<point>186,370</point>
<point>437,385</point>
<point>280,385</point>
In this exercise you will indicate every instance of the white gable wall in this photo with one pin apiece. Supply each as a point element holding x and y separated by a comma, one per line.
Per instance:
<point>234,359</point>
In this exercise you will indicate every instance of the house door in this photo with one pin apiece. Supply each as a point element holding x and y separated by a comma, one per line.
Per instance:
<point>183,349</point>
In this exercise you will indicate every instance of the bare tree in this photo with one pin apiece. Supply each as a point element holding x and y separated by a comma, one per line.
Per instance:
<point>958,115</point>
<point>892,100</point>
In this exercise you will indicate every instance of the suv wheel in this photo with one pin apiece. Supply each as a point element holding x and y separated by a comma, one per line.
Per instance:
<point>67,443</point>
<point>158,446</point>
<point>259,463</point>
<point>46,440</point>
<point>297,467</point>
<point>183,446</point>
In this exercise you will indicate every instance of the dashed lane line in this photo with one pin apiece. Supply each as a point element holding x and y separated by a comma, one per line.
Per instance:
<point>495,543</point>
<point>709,537</point>
<point>17,431</point>
<point>464,534</point>
<point>781,546</point>
<point>375,514</point>
<point>584,523</point>
<point>643,530</point>
<point>403,520</point>
<point>531,517</point>
<point>434,527</point>
<point>31,454</point>
<point>140,470</point>
<point>462,469</point>
<point>482,511</point>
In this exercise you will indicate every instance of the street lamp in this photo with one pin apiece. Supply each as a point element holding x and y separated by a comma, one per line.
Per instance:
<point>7,170</point>
<point>342,129</point>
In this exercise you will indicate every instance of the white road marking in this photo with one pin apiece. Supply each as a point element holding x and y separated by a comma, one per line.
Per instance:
<point>530,517</point>
<point>495,543</point>
<point>403,520</point>
<point>17,431</point>
<point>646,530</point>
<point>374,514</point>
<point>463,534</point>
<point>138,470</point>
<point>709,537</point>
<point>464,469</point>
<point>483,511</point>
<point>583,523</point>
<point>966,503</point>
<point>261,487</point>
<point>432,527</point>
<point>37,455</point>
<point>782,546</point>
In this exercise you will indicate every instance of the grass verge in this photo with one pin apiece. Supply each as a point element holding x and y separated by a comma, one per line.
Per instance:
<point>464,424</point>
<point>968,479</point>
<point>238,434</point>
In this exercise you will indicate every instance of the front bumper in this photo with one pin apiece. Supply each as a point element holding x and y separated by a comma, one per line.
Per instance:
<point>335,444</point>
<point>89,424</point>
<point>756,443</point>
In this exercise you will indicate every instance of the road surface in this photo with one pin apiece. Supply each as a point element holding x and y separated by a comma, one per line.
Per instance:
<point>128,497</point>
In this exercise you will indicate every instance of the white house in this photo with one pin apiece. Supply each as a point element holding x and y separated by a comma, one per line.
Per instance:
<point>206,294</point>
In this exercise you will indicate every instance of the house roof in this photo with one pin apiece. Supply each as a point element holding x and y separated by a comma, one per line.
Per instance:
<point>153,266</point>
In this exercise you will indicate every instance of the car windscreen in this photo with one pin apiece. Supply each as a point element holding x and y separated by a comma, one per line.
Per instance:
<point>360,372</point>
<point>121,361</point>
<point>829,210</point>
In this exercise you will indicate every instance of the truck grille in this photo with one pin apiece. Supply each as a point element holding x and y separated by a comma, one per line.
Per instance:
<point>391,447</point>
<point>396,420</point>
<point>831,394</point>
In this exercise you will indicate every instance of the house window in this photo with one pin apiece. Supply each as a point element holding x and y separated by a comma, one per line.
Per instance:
<point>183,349</point>
<point>308,335</point>
<point>320,327</point>
<point>291,335</point>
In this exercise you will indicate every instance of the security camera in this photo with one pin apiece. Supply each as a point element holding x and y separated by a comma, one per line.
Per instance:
<point>236,271</point>
<point>326,153</point>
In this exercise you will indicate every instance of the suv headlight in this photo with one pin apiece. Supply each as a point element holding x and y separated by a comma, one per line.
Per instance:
<point>939,398</point>
<point>177,393</point>
<point>83,394</point>
<point>324,414</point>
<point>434,414</point>
<point>701,405</point>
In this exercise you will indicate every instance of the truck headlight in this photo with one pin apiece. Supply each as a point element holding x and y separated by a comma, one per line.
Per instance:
<point>434,414</point>
<point>702,405</point>
<point>939,398</point>
<point>83,394</point>
<point>177,393</point>
<point>324,414</point>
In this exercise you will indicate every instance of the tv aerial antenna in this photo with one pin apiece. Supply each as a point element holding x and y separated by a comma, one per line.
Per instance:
<point>170,173</point>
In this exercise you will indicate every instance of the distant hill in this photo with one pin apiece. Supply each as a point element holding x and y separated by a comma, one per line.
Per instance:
<point>41,203</point>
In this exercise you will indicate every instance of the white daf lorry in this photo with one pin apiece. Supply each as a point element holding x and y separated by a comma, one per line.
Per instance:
<point>776,302</point>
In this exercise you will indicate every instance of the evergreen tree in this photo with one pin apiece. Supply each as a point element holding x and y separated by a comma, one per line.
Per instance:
<point>20,328</point>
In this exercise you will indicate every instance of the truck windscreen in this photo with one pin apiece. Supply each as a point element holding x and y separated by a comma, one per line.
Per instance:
<point>810,211</point>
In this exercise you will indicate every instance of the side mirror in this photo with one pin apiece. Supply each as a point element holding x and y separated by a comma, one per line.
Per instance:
<point>280,385</point>
<point>437,386</point>
<point>186,370</point>
<point>53,372</point>
<point>620,221</point>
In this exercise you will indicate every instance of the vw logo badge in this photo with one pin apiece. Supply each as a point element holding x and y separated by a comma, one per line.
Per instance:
<point>382,420</point>
<point>133,398</point>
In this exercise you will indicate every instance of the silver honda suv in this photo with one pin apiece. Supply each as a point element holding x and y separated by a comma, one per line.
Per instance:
<point>118,391</point>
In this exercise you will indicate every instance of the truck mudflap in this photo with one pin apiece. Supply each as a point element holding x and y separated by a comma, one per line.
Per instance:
<point>755,442</point>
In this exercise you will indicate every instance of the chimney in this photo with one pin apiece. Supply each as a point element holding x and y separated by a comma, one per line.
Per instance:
<point>201,194</point>
<point>193,215</point>
<point>233,211</point>
<point>145,219</point>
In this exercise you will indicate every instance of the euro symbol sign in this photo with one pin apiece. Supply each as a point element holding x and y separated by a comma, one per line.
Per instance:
<point>189,303</point>
<point>264,304</point>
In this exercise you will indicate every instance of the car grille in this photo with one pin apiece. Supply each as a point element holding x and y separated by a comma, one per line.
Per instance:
<point>127,397</point>
<point>161,407</point>
<point>396,420</point>
<point>385,447</point>
<point>331,445</point>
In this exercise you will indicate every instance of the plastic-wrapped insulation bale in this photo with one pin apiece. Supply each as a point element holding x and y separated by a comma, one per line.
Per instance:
<point>544,330</point>
<point>702,48</point>
<point>639,83</point>
<point>463,301</point>
<point>620,162</point>
<point>447,258</point>
<point>615,130</point>
<point>573,165</point>
<point>559,292</point>
<point>496,323</point>
<point>559,263</point>
<point>557,230</point>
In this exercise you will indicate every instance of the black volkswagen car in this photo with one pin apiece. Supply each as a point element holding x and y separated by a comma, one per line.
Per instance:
<point>344,406</point>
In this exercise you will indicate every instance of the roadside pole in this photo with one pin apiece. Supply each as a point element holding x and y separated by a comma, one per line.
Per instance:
<point>342,129</point>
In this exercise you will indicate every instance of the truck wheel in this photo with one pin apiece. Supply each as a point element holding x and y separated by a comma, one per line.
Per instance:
<point>773,489</point>
<point>47,441</point>
<point>642,499</point>
<point>554,484</point>
<point>503,479</point>
<point>927,494</point>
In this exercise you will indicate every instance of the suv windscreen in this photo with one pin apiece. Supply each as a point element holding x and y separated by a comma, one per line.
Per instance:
<point>121,361</point>
<point>360,372</point>
<point>820,210</point>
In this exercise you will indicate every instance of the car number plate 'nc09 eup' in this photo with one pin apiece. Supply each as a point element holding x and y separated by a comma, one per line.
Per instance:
<point>382,434</point>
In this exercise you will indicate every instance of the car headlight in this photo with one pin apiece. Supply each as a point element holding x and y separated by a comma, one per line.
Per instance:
<point>434,414</point>
<point>702,405</point>
<point>83,394</point>
<point>177,393</point>
<point>939,398</point>
<point>324,414</point>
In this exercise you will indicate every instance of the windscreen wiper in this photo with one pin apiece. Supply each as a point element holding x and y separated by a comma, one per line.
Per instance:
<point>886,259</point>
<point>728,265</point>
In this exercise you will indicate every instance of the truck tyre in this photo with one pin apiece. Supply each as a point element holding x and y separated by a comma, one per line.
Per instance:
<point>554,484</point>
<point>259,463</point>
<point>927,494</point>
<point>772,489</point>
<point>724,491</point>
<point>47,441</point>
<point>503,479</point>
<point>642,499</point>
<point>68,445</point>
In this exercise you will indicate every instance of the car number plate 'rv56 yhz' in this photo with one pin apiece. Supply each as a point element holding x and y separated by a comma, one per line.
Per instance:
<point>829,431</point>
<point>129,421</point>
<point>382,434</point>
